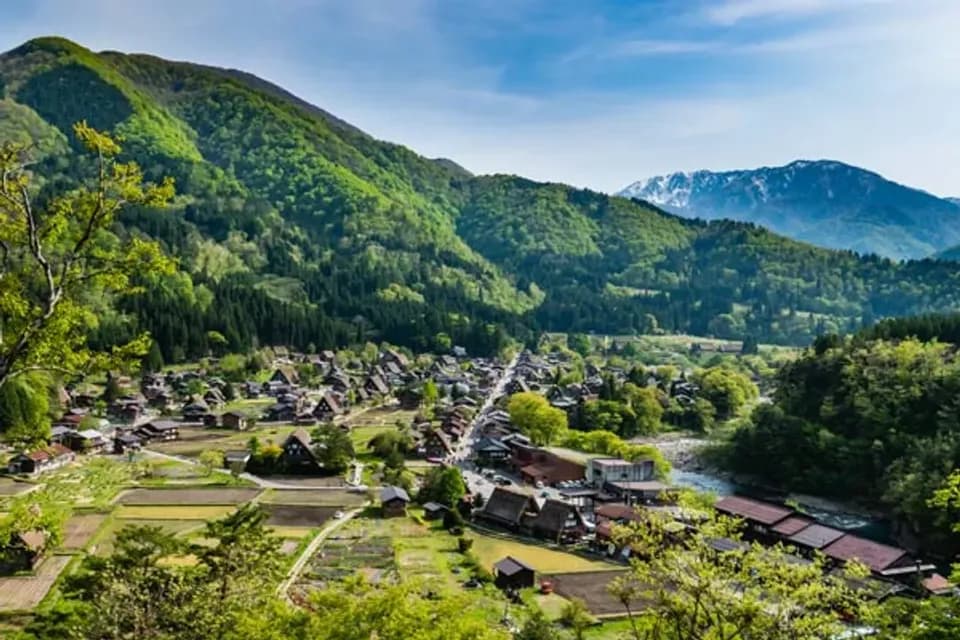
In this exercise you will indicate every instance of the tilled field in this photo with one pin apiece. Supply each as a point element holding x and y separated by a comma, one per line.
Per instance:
<point>591,587</point>
<point>188,496</point>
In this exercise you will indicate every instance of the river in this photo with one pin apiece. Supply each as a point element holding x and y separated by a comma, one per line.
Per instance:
<point>820,509</point>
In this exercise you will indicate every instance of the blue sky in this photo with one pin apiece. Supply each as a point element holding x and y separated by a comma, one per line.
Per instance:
<point>593,93</point>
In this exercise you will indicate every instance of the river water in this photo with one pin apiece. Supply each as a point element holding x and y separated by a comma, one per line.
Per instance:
<point>834,516</point>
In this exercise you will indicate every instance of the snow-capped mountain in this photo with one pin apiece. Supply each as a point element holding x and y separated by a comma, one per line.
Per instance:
<point>824,202</point>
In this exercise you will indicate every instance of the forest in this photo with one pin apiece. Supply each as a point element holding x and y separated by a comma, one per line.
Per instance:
<point>292,227</point>
<point>873,415</point>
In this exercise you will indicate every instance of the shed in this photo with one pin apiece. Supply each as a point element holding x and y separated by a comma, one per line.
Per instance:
<point>511,573</point>
<point>394,501</point>
<point>433,510</point>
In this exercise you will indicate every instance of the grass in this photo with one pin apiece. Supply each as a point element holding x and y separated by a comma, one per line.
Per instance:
<point>294,533</point>
<point>103,542</point>
<point>172,512</point>
<point>318,497</point>
<point>490,550</point>
<point>361,436</point>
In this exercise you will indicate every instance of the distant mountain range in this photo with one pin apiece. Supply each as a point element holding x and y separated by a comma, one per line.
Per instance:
<point>823,202</point>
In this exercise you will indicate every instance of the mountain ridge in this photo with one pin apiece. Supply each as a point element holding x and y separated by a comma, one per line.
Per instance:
<point>826,202</point>
<point>294,227</point>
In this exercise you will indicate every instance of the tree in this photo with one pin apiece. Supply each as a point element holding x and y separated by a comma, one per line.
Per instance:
<point>387,443</point>
<point>576,616</point>
<point>690,590</point>
<point>153,361</point>
<point>444,485</point>
<point>25,410</point>
<point>537,627</point>
<point>534,416</point>
<point>430,394</point>
<point>209,460</point>
<point>727,390</point>
<point>580,343</point>
<point>333,448</point>
<point>58,257</point>
<point>645,402</point>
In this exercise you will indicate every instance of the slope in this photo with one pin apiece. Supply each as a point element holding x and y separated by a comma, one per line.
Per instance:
<point>294,227</point>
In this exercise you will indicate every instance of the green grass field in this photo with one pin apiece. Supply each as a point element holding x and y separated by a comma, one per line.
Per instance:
<point>490,550</point>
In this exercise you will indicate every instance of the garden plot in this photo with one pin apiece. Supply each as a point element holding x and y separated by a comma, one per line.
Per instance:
<point>80,529</point>
<point>23,593</point>
<point>13,488</point>
<point>188,496</point>
<point>173,512</point>
<point>288,515</point>
<point>318,497</point>
<point>591,587</point>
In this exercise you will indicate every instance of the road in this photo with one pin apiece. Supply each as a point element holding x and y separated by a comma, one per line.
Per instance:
<point>297,568</point>
<point>476,483</point>
<point>263,483</point>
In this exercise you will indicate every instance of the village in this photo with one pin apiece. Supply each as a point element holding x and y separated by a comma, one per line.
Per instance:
<point>532,523</point>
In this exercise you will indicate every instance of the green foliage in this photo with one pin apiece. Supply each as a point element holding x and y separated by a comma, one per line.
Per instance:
<point>25,410</point>
<point>293,223</point>
<point>534,416</point>
<point>443,485</point>
<point>869,418</point>
<point>607,443</point>
<point>727,390</point>
<point>333,448</point>
<point>59,255</point>
<point>749,592</point>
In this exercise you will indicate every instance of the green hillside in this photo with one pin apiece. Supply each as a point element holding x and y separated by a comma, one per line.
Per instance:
<point>292,226</point>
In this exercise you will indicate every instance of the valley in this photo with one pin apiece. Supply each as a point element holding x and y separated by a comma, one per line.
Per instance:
<point>264,375</point>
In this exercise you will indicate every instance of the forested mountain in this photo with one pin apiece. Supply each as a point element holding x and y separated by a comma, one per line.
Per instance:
<point>873,415</point>
<point>292,226</point>
<point>827,203</point>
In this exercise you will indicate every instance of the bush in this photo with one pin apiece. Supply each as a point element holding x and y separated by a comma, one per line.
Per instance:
<point>452,520</point>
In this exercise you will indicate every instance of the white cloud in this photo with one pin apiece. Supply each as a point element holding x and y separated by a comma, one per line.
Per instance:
<point>730,12</point>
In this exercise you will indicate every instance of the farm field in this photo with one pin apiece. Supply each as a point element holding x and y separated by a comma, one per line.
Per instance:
<point>490,550</point>
<point>379,417</point>
<point>381,548</point>
<point>319,497</point>
<point>172,512</point>
<point>194,440</point>
<point>11,488</point>
<point>80,529</point>
<point>591,587</point>
<point>103,543</point>
<point>285,515</point>
<point>25,593</point>
<point>188,496</point>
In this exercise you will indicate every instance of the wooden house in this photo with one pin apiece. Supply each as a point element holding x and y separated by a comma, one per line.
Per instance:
<point>507,508</point>
<point>41,460</point>
<point>511,573</point>
<point>298,456</point>
<point>327,407</point>
<point>235,420</point>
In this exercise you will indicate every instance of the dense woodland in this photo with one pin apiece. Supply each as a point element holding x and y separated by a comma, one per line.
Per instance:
<point>875,416</point>
<point>291,226</point>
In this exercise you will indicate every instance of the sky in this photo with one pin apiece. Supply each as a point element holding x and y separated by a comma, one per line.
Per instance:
<point>594,93</point>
